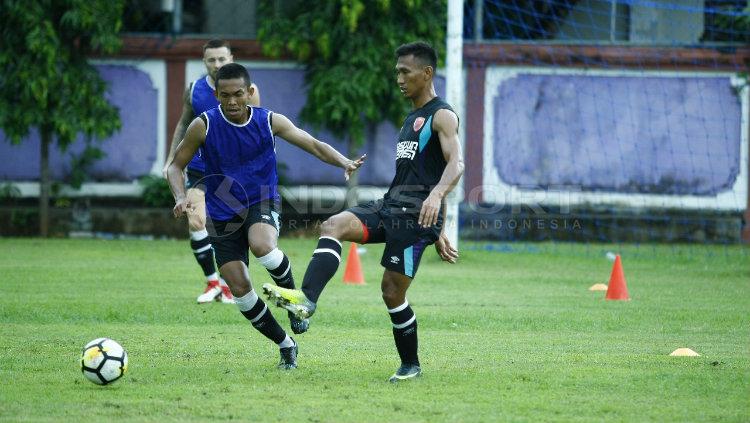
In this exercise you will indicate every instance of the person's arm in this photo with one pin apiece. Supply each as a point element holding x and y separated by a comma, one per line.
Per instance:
<point>179,130</point>
<point>284,128</point>
<point>445,124</point>
<point>194,138</point>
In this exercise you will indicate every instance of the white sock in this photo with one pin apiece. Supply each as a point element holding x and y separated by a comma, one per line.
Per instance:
<point>272,260</point>
<point>212,277</point>
<point>198,235</point>
<point>247,301</point>
<point>222,282</point>
<point>286,343</point>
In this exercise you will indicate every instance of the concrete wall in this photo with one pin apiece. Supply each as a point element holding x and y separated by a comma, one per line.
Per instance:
<point>637,134</point>
<point>653,22</point>
<point>590,20</point>
<point>639,139</point>
<point>666,22</point>
<point>236,17</point>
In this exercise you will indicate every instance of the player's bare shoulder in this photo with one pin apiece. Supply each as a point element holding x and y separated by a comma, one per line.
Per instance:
<point>281,125</point>
<point>446,121</point>
<point>197,129</point>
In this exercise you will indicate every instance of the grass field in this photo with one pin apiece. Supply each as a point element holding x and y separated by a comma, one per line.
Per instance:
<point>505,335</point>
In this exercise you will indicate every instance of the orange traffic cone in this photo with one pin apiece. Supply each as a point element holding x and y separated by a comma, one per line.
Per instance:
<point>618,289</point>
<point>353,272</point>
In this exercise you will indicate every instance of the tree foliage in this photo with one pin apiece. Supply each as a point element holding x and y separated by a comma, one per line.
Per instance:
<point>47,81</point>
<point>727,24</point>
<point>347,48</point>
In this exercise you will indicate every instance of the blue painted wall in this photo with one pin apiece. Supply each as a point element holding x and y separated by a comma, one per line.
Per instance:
<point>661,135</point>
<point>131,152</point>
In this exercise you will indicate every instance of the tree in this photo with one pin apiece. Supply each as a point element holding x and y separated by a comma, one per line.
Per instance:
<point>47,82</point>
<point>347,47</point>
<point>727,23</point>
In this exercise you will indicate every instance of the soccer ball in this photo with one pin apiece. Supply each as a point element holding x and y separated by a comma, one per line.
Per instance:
<point>103,361</point>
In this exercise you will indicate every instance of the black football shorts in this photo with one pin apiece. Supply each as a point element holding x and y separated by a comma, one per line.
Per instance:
<point>230,238</point>
<point>404,239</point>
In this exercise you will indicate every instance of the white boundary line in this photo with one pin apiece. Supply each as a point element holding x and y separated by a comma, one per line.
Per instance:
<point>303,193</point>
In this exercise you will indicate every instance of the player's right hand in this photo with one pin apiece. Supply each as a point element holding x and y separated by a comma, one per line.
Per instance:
<point>181,207</point>
<point>353,165</point>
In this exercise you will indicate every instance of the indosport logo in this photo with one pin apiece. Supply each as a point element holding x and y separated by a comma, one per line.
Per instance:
<point>226,204</point>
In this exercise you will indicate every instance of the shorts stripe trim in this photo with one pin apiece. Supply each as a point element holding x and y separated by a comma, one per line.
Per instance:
<point>275,216</point>
<point>405,324</point>
<point>409,261</point>
<point>328,250</point>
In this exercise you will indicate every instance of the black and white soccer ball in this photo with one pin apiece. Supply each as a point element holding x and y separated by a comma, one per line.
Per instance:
<point>103,361</point>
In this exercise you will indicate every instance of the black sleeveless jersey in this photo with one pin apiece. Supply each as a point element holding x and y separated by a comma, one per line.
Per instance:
<point>419,159</point>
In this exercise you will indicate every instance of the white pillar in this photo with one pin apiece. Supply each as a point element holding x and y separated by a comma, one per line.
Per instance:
<point>454,91</point>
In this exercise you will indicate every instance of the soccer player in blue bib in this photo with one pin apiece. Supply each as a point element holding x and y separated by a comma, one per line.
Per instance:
<point>238,144</point>
<point>198,98</point>
<point>407,219</point>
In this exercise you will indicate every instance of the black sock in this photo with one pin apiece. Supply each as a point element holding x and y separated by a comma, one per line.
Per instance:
<point>323,265</point>
<point>262,320</point>
<point>405,333</point>
<point>204,255</point>
<point>282,275</point>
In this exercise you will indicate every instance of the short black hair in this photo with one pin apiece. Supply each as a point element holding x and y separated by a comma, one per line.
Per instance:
<point>421,50</point>
<point>217,43</point>
<point>232,71</point>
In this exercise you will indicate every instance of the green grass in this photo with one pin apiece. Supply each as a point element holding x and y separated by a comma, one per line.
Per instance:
<point>510,335</point>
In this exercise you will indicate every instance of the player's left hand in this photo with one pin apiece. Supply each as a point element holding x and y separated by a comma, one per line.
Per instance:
<point>430,211</point>
<point>353,165</point>
<point>445,250</point>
